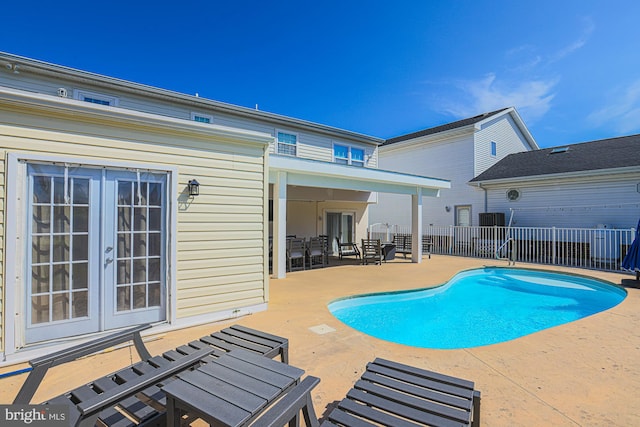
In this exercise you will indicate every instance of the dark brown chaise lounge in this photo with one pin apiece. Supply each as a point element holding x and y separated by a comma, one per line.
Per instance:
<point>389,394</point>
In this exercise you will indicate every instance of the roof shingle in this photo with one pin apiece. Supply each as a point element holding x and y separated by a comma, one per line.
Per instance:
<point>608,153</point>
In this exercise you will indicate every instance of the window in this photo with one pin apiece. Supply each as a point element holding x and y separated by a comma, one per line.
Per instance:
<point>513,195</point>
<point>201,118</point>
<point>287,143</point>
<point>95,98</point>
<point>494,148</point>
<point>346,155</point>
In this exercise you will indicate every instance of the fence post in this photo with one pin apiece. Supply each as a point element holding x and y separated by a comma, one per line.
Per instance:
<point>450,239</point>
<point>553,247</point>
<point>495,242</point>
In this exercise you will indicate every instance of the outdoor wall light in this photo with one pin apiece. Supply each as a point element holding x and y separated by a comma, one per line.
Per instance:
<point>447,208</point>
<point>194,188</point>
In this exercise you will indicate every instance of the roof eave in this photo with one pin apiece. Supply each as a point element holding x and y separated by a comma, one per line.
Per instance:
<point>575,174</point>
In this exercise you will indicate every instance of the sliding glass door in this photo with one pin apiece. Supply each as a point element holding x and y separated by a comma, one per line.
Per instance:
<point>340,225</point>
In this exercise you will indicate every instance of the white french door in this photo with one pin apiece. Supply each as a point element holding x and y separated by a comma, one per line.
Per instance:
<point>96,256</point>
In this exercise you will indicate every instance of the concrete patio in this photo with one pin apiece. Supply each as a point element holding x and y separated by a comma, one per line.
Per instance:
<point>584,373</point>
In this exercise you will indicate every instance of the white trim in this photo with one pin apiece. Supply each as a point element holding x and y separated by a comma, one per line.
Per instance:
<point>13,308</point>
<point>80,94</point>
<point>12,257</point>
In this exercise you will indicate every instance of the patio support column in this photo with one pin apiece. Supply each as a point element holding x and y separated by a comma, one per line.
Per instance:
<point>280,226</point>
<point>416,226</point>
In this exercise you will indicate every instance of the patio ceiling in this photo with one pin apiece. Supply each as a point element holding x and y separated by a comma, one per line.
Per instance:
<point>311,173</point>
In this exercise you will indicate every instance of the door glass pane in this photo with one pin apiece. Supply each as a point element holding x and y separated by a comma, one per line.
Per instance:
<point>58,190</point>
<point>61,219</point>
<point>81,191</point>
<point>60,306</point>
<point>39,279</point>
<point>40,309</point>
<point>60,277</point>
<point>41,189</point>
<point>41,219</point>
<point>80,275</point>
<point>347,228</point>
<point>80,304</point>
<point>155,194</point>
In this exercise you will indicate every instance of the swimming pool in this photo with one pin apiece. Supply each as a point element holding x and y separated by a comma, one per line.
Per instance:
<point>478,307</point>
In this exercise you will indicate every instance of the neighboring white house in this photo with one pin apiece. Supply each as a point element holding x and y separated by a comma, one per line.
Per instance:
<point>98,229</point>
<point>457,151</point>
<point>579,185</point>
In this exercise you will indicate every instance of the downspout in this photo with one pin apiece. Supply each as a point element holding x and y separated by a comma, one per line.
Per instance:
<point>486,196</point>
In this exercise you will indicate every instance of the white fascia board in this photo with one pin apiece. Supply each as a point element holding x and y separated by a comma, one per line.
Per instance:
<point>330,175</point>
<point>102,112</point>
<point>557,176</point>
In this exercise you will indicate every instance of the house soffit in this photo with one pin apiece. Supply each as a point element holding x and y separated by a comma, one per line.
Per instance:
<point>312,173</point>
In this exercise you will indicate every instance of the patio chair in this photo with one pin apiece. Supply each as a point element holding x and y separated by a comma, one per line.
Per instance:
<point>427,245</point>
<point>132,396</point>
<point>403,244</point>
<point>315,252</point>
<point>388,393</point>
<point>325,246</point>
<point>347,249</point>
<point>371,251</point>
<point>296,254</point>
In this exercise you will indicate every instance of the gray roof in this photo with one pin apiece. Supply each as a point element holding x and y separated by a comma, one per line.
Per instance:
<point>609,153</point>
<point>449,126</point>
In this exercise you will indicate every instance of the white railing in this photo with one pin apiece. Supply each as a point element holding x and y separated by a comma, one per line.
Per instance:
<point>593,248</point>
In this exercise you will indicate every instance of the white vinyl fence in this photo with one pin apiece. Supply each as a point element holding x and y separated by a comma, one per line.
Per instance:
<point>593,248</point>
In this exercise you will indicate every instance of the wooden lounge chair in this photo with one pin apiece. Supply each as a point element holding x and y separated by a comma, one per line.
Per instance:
<point>389,394</point>
<point>347,249</point>
<point>132,396</point>
<point>371,251</point>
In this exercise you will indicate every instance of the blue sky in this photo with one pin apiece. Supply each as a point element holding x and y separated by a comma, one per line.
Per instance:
<point>571,68</point>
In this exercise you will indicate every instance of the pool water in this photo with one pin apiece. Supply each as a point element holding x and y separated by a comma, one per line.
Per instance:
<point>478,307</point>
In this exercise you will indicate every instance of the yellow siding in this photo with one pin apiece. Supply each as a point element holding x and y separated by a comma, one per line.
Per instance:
<point>220,234</point>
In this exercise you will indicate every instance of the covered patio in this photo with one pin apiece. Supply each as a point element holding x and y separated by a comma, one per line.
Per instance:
<point>315,193</point>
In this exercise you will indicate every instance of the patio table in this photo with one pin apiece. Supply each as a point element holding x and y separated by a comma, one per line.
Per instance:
<point>231,390</point>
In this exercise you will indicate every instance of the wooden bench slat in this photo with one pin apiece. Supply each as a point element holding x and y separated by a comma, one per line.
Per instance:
<point>411,401</point>
<point>423,372</point>
<point>440,397</point>
<point>406,412</point>
<point>355,414</point>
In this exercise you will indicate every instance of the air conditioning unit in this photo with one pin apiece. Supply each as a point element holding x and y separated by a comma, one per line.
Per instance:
<point>489,219</point>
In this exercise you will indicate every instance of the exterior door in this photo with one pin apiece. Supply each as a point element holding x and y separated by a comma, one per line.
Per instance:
<point>96,257</point>
<point>463,216</point>
<point>340,225</point>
